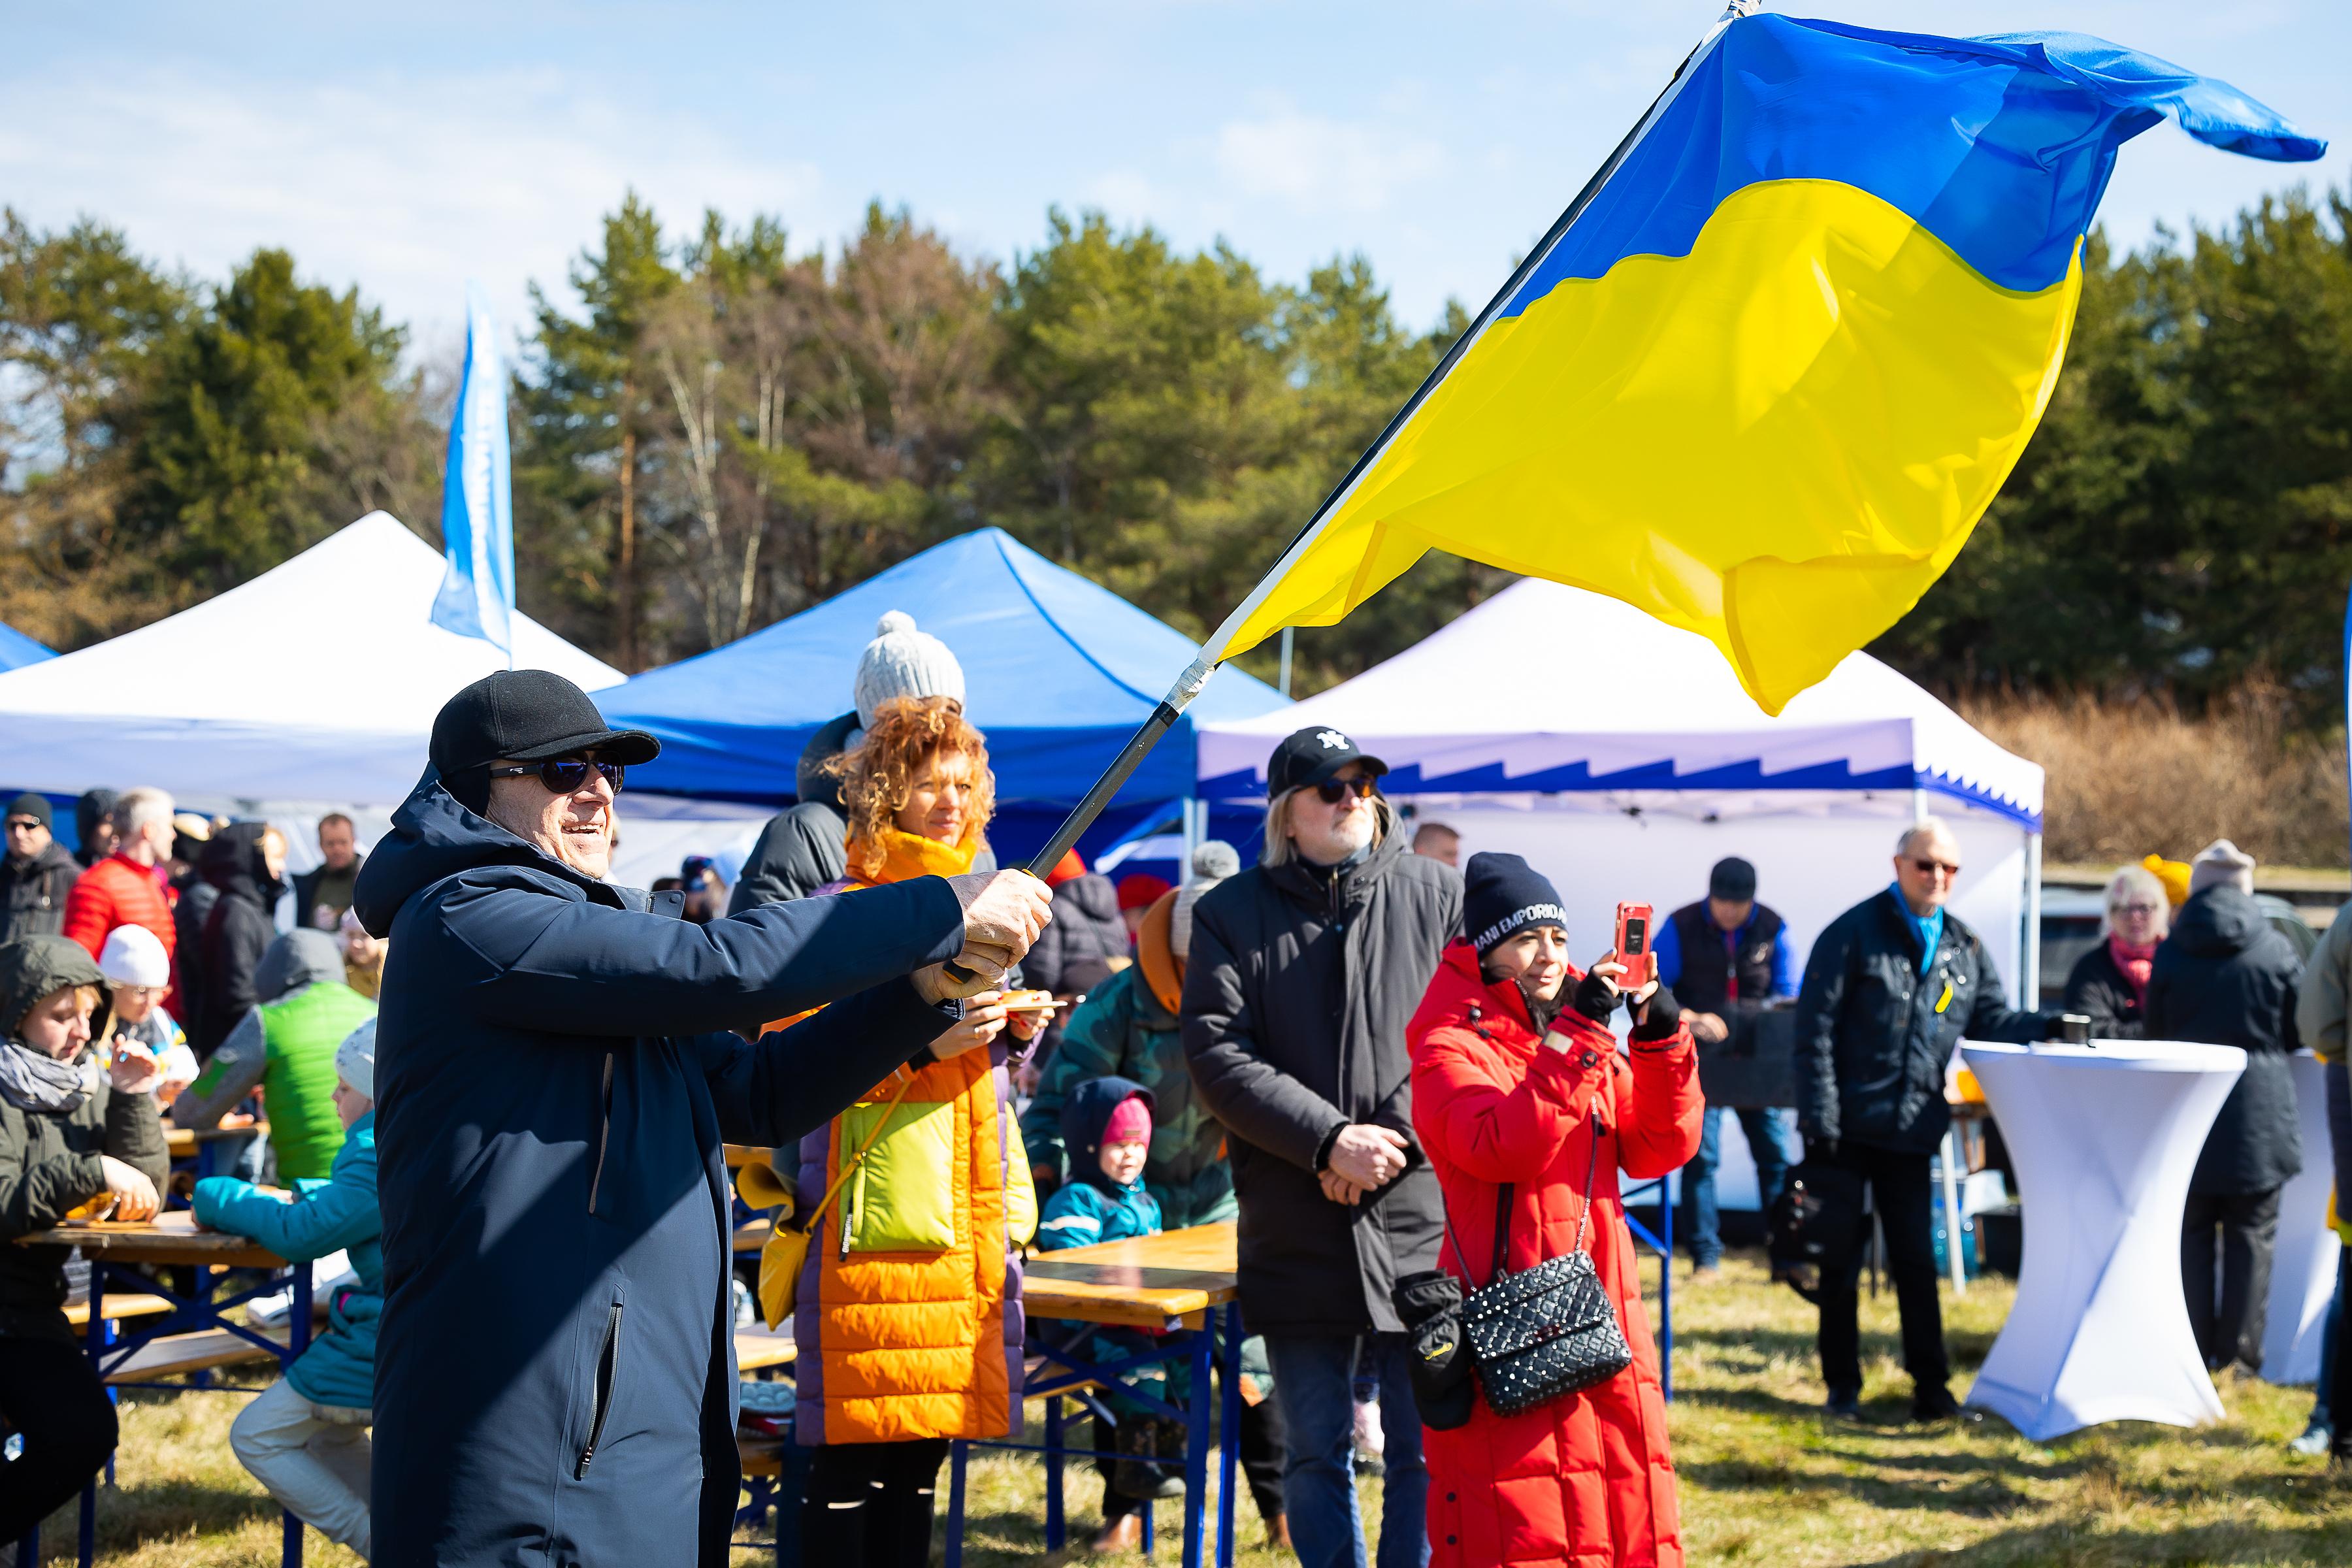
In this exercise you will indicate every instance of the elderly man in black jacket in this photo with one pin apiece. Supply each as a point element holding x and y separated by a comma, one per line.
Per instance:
<point>1304,971</point>
<point>1889,990</point>
<point>2224,977</point>
<point>556,1075</point>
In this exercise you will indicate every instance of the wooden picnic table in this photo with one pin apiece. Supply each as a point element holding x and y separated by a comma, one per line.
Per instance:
<point>169,1238</point>
<point>1166,1281</point>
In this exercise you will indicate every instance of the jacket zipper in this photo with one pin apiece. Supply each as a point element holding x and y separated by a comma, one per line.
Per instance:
<point>600,1393</point>
<point>603,1141</point>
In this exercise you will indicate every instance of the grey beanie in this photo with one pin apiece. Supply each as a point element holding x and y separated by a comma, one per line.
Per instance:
<point>2221,861</point>
<point>1213,862</point>
<point>903,662</point>
<point>355,1060</point>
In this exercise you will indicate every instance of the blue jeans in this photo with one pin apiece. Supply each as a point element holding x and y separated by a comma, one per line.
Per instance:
<point>1314,1380</point>
<point>1768,1128</point>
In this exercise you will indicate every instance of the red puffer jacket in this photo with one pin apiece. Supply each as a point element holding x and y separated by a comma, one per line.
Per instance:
<point>1583,1480</point>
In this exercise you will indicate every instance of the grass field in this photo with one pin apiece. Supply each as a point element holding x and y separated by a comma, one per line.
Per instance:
<point>1764,1480</point>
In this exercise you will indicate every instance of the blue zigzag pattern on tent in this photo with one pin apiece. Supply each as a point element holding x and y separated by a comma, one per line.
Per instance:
<point>1578,778</point>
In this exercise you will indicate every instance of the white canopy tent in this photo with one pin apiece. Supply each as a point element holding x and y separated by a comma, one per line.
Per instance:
<point>310,689</point>
<point>1621,757</point>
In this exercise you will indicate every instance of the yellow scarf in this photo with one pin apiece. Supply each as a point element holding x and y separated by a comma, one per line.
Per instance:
<point>906,856</point>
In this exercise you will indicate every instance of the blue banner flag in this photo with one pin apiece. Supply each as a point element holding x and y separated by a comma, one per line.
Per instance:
<point>478,595</point>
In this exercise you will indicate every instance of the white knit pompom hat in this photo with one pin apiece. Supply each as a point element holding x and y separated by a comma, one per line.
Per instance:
<point>133,955</point>
<point>1213,862</point>
<point>903,662</point>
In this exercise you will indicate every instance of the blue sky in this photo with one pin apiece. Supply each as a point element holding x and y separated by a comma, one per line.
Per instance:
<point>404,148</point>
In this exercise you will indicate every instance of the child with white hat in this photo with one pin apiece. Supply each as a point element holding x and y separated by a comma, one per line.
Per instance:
<point>138,975</point>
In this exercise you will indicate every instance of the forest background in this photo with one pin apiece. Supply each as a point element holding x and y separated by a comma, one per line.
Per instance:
<point>716,426</point>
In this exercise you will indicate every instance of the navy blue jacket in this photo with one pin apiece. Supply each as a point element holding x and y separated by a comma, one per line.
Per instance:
<point>1874,1035</point>
<point>555,1378</point>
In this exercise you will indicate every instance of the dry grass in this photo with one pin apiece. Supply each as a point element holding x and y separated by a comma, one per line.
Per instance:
<point>1764,1480</point>
<point>2127,778</point>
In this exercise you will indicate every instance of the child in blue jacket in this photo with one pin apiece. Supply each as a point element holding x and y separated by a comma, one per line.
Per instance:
<point>1107,1134</point>
<point>305,1438</point>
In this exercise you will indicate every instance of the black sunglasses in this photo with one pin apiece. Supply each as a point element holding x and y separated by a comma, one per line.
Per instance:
<point>1925,868</point>
<point>1332,790</point>
<point>565,775</point>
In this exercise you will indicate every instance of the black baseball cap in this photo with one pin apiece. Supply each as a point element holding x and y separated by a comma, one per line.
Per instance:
<point>1313,755</point>
<point>529,715</point>
<point>1733,879</point>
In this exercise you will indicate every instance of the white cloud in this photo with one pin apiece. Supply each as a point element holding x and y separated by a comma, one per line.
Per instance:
<point>1323,164</point>
<point>407,187</point>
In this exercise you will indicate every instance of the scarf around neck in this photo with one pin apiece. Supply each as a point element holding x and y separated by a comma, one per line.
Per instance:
<point>906,856</point>
<point>31,1080</point>
<point>2137,963</point>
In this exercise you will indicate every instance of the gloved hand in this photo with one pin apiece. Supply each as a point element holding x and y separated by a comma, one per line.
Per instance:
<point>1657,1018</point>
<point>1595,997</point>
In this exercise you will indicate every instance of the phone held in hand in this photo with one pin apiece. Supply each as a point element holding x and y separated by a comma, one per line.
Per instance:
<point>1633,947</point>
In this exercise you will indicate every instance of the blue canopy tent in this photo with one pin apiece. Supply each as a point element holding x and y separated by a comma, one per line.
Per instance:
<point>1058,672</point>
<point>16,649</point>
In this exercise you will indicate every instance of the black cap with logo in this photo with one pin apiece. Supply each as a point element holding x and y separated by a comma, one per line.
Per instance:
<point>529,715</point>
<point>1732,881</point>
<point>1312,756</point>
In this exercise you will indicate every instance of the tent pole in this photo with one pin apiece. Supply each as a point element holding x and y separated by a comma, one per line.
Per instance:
<point>2029,950</point>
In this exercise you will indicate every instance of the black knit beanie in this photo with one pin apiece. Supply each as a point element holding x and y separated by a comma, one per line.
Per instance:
<point>1503,895</point>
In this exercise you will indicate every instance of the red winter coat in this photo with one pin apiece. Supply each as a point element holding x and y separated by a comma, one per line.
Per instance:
<point>120,891</point>
<point>1583,1480</point>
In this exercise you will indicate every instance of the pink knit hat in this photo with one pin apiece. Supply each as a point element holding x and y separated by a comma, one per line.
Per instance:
<point>1130,1122</point>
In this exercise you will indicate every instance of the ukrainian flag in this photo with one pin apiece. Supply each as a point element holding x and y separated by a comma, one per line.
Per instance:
<point>1762,383</point>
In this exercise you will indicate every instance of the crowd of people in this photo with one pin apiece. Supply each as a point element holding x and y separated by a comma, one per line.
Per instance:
<point>498,1084</point>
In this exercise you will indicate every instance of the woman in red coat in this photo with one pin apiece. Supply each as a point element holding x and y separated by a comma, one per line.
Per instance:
<point>1515,1072</point>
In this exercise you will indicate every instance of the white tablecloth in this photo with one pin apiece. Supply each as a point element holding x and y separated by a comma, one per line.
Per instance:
<point>2103,1138</point>
<point>2303,1271</point>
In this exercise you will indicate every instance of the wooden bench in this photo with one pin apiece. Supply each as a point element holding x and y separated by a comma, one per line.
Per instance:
<point>757,1349</point>
<point>753,1234</point>
<point>119,1304</point>
<point>176,1354</point>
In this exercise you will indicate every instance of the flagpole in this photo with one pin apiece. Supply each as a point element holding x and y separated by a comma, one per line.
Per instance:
<point>1196,674</point>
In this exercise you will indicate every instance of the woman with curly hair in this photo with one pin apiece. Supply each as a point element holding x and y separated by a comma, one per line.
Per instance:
<point>908,1305</point>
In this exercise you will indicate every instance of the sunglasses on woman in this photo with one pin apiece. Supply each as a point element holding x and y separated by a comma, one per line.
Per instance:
<point>1333,790</point>
<point>565,775</point>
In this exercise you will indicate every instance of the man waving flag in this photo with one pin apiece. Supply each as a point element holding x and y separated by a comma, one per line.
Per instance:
<point>1763,379</point>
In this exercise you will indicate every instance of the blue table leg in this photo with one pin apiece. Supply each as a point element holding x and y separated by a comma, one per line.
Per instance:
<point>1229,1435</point>
<point>1056,1528</point>
<point>1666,1294</point>
<point>298,1341</point>
<point>1196,1441</point>
<point>958,1451</point>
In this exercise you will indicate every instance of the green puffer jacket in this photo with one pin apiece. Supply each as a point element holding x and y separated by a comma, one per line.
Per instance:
<point>338,1215</point>
<point>1123,1031</point>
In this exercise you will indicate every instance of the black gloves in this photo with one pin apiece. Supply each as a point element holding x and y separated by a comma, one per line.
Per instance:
<point>1658,1018</point>
<point>1596,998</point>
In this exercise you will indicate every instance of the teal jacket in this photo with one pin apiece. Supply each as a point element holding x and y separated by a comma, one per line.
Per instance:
<point>1123,1031</point>
<point>1083,1213</point>
<point>337,1215</point>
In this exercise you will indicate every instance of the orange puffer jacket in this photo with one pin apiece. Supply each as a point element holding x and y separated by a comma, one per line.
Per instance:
<point>1583,1480</point>
<point>908,1307</point>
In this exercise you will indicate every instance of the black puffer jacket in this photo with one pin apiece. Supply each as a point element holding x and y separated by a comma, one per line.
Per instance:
<point>2102,992</point>
<point>1873,1035</point>
<point>238,930</point>
<point>555,1383</point>
<point>33,892</point>
<point>2224,977</point>
<point>1087,928</point>
<point>1296,995</point>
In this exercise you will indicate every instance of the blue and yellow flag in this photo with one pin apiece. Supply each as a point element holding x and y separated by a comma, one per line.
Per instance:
<point>1765,382</point>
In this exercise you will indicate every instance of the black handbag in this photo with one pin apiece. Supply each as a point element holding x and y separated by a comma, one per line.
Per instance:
<point>1814,1220</point>
<point>1546,1331</point>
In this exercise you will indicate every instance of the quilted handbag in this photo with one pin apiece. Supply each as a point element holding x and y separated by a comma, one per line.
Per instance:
<point>1546,1331</point>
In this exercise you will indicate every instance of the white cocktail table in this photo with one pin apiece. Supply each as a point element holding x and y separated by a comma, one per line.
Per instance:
<point>2103,1138</point>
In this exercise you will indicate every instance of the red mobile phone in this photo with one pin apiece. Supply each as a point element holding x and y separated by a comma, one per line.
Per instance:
<point>1633,947</point>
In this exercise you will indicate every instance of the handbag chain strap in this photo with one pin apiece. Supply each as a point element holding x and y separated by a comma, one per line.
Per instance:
<point>1503,1212</point>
